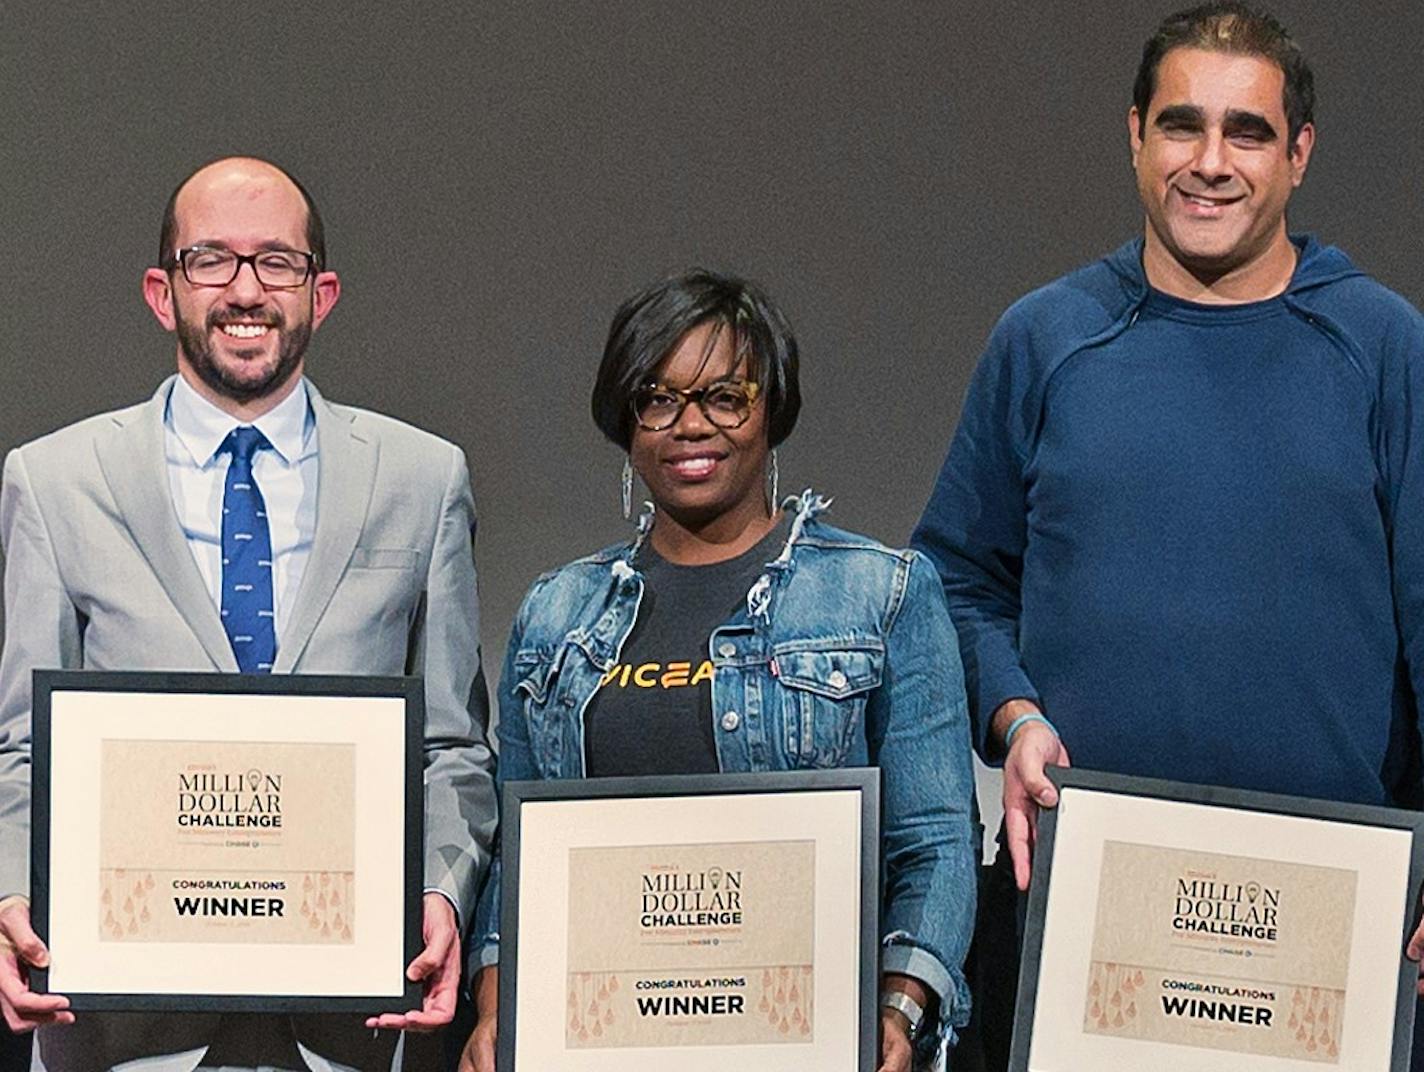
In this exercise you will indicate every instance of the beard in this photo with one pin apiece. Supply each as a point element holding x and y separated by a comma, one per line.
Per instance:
<point>196,341</point>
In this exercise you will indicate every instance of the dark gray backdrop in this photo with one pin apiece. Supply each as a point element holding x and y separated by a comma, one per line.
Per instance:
<point>495,178</point>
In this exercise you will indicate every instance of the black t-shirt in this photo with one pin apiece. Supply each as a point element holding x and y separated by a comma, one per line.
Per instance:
<point>652,713</point>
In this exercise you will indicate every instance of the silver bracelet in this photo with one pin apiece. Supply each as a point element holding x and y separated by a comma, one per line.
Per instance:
<point>907,1006</point>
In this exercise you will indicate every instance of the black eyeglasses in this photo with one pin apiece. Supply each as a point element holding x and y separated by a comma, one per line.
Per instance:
<point>276,269</point>
<point>727,404</point>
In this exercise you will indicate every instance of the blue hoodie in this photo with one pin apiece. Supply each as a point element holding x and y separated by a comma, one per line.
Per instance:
<point>1195,534</point>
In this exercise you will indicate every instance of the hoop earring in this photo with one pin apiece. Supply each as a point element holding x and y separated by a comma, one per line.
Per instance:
<point>627,485</point>
<point>773,482</point>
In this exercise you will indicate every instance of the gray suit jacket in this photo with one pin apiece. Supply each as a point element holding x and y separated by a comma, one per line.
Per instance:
<point>98,575</point>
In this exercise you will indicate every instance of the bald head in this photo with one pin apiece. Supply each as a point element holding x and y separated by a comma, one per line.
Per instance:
<point>242,177</point>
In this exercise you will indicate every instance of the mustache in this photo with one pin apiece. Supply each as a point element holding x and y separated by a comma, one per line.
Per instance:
<point>268,317</point>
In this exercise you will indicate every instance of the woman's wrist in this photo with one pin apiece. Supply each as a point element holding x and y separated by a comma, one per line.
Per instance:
<point>907,1000</point>
<point>485,990</point>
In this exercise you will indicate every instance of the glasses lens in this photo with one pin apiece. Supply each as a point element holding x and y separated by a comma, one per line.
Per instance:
<point>209,267</point>
<point>656,409</point>
<point>727,405</point>
<point>281,268</point>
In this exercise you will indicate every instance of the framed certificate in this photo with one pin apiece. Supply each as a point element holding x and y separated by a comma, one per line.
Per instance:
<point>1187,929</point>
<point>699,922</point>
<point>226,841</point>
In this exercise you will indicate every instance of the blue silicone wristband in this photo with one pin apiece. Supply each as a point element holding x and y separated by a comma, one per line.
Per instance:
<point>1018,724</point>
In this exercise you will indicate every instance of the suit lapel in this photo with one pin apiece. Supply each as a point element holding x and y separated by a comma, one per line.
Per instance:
<point>347,472</point>
<point>131,456</point>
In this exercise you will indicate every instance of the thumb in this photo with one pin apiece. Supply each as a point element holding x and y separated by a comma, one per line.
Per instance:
<point>1045,793</point>
<point>431,957</point>
<point>1415,949</point>
<point>15,925</point>
<point>1036,781</point>
<point>34,951</point>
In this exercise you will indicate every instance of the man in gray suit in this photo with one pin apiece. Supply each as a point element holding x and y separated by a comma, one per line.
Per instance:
<point>118,558</point>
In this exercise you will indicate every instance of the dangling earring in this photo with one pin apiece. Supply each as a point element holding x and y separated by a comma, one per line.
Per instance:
<point>773,479</point>
<point>627,489</point>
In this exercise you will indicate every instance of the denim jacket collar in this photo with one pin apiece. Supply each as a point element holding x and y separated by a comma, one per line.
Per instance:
<point>804,507</point>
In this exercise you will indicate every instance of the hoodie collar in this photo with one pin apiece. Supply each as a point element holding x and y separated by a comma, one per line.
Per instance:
<point>1316,266</point>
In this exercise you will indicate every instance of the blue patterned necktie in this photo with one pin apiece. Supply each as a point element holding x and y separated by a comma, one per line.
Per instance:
<point>247,613</point>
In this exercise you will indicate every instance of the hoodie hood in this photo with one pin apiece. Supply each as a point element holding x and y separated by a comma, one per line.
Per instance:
<point>1317,266</point>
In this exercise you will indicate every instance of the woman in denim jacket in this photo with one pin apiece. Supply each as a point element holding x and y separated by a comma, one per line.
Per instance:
<point>803,646</point>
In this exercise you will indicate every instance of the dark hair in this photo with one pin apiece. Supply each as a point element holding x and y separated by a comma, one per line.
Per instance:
<point>646,329</point>
<point>1229,26</point>
<point>168,234</point>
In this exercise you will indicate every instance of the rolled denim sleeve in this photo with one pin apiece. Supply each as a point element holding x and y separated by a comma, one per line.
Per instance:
<point>918,731</point>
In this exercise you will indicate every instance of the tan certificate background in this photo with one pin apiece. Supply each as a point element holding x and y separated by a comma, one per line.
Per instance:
<point>83,961</point>
<point>1091,820</point>
<point>551,830</point>
<point>299,875</point>
<point>1286,993</point>
<point>713,984</point>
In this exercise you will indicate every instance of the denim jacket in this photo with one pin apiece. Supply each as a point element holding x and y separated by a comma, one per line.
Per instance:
<point>843,655</point>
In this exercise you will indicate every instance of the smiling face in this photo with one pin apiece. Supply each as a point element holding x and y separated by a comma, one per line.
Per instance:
<point>701,475</point>
<point>1215,170</point>
<point>241,345</point>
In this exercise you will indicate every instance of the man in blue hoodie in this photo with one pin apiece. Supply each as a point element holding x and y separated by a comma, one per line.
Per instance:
<point>1181,523</point>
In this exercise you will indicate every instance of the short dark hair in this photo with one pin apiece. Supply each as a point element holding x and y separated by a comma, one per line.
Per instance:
<point>168,233</point>
<point>646,329</point>
<point>1230,26</point>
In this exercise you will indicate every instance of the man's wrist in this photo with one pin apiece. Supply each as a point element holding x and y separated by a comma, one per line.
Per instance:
<point>454,908</point>
<point>1005,715</point>
<point>1019,723</point>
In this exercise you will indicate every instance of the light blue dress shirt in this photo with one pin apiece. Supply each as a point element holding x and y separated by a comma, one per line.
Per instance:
<point>193,431</point>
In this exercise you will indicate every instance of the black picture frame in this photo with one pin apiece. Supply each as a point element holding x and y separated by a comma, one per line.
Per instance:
<point>407,738</point>
<point>1069,779</point>
<point>865,780</point>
